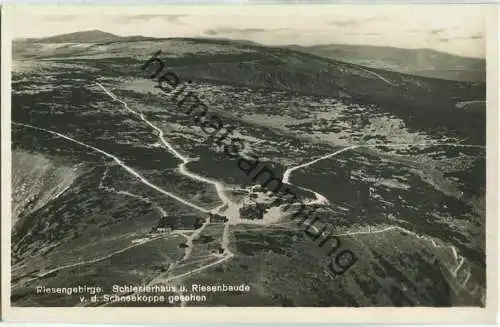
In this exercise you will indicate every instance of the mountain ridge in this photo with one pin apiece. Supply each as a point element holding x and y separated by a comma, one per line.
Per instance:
<point>412,98</point>
<point>419,62</point>
<point>424,62</point>
<point>90,36</point>
<point>97,32</point>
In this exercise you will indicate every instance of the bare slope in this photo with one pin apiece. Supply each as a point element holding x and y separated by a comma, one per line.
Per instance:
<point>37,180</point>
<point>421,62</point>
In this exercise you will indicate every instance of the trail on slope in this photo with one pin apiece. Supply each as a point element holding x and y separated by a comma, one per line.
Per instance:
<point>228,207</point>
<point>126,193</point>
<point>220,188</point>
<point>229,254</point>
<point>119,162</point>
<point>320,199</point>
<point>459,260</point>
<point>182,167</point>
<point>99,259</point>
<point>382,78</point>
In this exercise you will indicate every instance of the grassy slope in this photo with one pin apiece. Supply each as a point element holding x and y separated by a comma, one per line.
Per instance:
<point>421,62</point>
<point>412,98</point>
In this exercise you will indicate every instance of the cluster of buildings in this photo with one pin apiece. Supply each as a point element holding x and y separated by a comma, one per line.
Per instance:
<point>252,211</point>
<point>215,218</point>
<point>170,223</point>
<point>215,248</point>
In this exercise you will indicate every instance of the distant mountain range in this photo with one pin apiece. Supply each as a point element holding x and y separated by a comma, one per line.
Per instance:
<point>427,104</point>
<point>421,62</point>
<point>93,36</point>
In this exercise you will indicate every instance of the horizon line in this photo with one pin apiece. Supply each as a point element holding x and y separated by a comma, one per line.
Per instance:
<point>247,40</point>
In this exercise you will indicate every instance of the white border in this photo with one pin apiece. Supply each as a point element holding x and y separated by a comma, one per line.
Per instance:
<point>257,315</point>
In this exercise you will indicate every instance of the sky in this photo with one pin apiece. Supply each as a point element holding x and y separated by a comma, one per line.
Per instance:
<point>456,29</point>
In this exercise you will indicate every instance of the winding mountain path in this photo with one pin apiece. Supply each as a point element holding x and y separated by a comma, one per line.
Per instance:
<point>382,78</point>
<point>321,199</point>
<point>119,162</point>
<point>182,167</point>
<point>231,208</point>
<point>228,207</point>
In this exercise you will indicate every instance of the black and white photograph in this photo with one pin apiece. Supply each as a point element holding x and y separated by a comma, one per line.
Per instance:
<point>241,157</point>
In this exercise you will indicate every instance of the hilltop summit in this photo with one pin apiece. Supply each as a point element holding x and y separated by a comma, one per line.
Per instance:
<point>93,36</point>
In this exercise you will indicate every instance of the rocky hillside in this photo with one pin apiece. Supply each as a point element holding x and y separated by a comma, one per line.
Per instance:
<point>36,180</point>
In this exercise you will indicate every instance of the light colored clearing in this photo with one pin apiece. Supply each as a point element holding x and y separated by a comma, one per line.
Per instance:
<point>24,66</point>
<point>463,104</point>
<point>390,183</point>
<point>35,89</point>
<point>19,66</point>
<point>394,129</point>
<point>140,240</point>
<point>339,116</point>
<point>472,105</point>
<point>273,214</point>
<point>141,85</point>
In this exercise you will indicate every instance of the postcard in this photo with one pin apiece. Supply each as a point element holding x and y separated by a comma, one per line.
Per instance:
<point>250,163</point>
